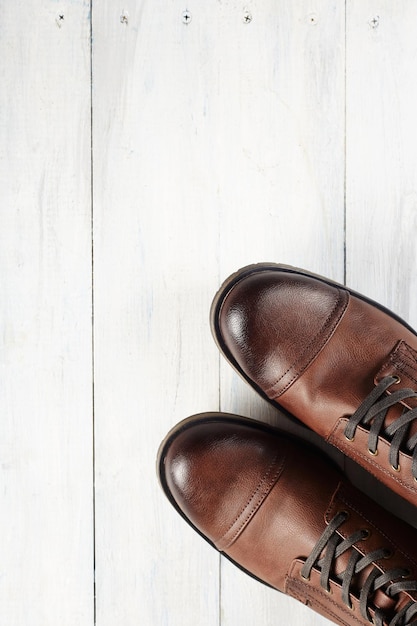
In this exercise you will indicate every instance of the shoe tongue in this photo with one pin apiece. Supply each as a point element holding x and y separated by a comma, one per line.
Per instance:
<point>401,362</point>
<point>382,601</point>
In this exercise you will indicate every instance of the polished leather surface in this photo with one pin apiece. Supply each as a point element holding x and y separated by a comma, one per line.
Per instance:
<point>264,500</point>
<point>317,349</point>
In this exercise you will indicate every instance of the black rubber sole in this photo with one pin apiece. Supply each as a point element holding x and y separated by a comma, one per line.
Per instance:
<point>249,270</point>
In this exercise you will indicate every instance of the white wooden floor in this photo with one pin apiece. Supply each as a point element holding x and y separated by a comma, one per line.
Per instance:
<point>148,150</point>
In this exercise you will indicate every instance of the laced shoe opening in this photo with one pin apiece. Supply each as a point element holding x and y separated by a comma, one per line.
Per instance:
<point>371,415</point>
<point>362,578</point>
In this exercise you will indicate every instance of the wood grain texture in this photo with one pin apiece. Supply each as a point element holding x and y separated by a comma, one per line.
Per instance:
<point>223,134</point>
<point>381,164</point>
<point>281,192</point>
<point>155,241</point>
<point>381,182</point>
<point>196,146</point>
<point>46,519</point>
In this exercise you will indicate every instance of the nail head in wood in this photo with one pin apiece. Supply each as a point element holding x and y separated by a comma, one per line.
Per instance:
<point>374,22</point>
<point>247,17</point>
<point>186,17</point>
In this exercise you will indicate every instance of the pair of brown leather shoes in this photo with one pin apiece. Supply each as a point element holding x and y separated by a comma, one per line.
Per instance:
<point>347,368</point>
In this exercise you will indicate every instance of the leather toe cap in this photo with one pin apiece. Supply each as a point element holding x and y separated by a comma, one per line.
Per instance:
<point>219,473</point>
<point>274,324</point>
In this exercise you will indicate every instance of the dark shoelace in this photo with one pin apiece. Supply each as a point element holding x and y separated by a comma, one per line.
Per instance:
<point>391,581</point>
<point>373,411</point>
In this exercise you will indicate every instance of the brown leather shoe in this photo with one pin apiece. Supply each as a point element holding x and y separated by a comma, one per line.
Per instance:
<point>284,514</point>
<point>343,365</point>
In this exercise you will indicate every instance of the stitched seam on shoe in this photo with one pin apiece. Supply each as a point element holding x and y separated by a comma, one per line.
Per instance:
<point>308,589</point>
<point>303,587</point>
<point>352,453</point>
<point>300,587</point>
<point>259,494</point>
<point>401,360</point>
<point>334,496</point>
<point>404,368</point>
<point>261,497</point>
<point>411,350</point>
<point>329,332</point>
<point>381,532</point>
<point>312,341</point>
<point>407,360</point>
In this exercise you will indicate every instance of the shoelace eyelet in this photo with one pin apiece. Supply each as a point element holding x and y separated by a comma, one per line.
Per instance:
<point>388,554</point>
<point>396,469</point>
<point>367,534</point>
<point>345,513</point>
<point>306,578</point>
<point>373,453</point>
<point>397,379</point>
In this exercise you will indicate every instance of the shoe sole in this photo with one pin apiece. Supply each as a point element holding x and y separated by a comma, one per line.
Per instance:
<point>249,270</point>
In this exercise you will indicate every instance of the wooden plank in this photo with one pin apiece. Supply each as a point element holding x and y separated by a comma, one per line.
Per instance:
<point>46,519</point>
<point>155,242</point>
<point>381,175</point>
<point>281,192</point>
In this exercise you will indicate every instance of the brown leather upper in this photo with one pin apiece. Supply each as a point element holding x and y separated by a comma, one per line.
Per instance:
<point>318,350</point>
<point>265,500</point>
